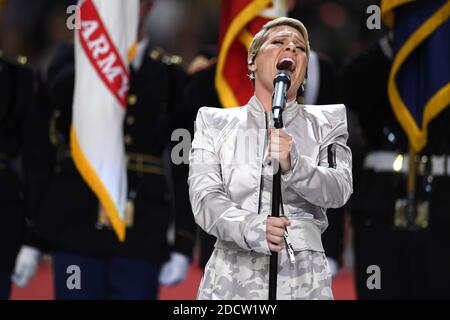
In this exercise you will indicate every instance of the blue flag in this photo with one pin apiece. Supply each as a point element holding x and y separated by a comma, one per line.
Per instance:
<point>419,82</point>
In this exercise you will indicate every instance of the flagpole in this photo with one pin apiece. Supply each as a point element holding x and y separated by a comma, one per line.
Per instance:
<point>276,192</point>
<point>411,189</point>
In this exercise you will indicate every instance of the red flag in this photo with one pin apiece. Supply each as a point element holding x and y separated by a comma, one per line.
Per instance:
<point>240,20</point>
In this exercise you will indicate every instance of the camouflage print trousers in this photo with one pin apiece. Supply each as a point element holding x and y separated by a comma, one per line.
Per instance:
<point>236,275</point>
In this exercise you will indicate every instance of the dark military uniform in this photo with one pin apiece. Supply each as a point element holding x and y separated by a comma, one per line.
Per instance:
<point>412,261</point>
<point>67,211</point>
<point>200,91</point>
<point>16,85</point>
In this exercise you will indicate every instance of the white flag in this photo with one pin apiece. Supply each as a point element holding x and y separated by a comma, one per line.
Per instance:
<point>108,31</point>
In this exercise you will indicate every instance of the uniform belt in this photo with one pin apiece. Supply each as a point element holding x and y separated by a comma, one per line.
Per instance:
<point>144,163</point>
<point>389,161</point>
<point>138,162</point>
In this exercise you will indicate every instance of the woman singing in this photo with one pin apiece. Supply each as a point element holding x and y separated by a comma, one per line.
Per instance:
<point>231,171</point>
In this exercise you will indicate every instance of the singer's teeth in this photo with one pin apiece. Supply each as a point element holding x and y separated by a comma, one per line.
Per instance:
<point>288,59</point>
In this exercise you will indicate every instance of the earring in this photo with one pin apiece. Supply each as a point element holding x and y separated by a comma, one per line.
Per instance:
<point>251,68</point>
<point>301,94</point>
<point>301,90</point>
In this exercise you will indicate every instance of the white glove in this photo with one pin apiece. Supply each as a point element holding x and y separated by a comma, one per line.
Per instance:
<point>26,265</point>
<point>334,266</point>
<point>175,270</point>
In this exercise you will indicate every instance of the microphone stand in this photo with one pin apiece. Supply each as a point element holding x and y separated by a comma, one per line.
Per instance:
<point>282,82</point>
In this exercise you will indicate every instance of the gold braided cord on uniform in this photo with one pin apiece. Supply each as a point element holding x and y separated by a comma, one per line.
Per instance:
<point>440,100</point>
<point>226,95</point>
<point>94,182</point>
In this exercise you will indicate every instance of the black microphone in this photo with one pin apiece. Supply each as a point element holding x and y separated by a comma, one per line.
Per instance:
<point>282,82</point>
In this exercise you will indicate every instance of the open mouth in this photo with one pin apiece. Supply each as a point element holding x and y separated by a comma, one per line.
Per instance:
<point>286,63</point>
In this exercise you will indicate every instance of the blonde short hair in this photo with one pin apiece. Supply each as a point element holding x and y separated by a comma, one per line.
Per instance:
<point>261,36</point>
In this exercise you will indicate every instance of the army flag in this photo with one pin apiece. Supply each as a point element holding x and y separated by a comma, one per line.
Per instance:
<point>108,31</point>
<point>240,20</point>
<point>419,81</point>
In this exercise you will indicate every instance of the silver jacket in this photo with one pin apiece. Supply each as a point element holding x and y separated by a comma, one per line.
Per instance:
<point>226,167</point>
